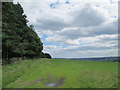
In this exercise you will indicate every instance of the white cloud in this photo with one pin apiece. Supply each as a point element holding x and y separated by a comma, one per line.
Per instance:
<point>65,0</point>
<point>79,52</point>
<point>83,28</point>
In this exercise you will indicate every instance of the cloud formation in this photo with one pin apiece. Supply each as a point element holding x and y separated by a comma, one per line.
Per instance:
<point>70,29</point>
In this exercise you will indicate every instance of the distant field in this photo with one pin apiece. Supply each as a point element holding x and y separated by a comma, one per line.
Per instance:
<point>60,73</point>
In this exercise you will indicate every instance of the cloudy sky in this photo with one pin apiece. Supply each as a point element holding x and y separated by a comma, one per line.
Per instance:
<point>75,28</point>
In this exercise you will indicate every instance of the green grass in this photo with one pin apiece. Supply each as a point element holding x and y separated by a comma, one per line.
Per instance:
<point>77,74</point>
<point>0,77</point>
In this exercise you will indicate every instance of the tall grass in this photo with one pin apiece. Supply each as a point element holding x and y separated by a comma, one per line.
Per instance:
<point>77,74</point>
<point>0,77</point>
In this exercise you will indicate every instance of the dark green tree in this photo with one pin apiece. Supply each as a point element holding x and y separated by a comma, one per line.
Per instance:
<point>46,55</point>
<point>18,39</point>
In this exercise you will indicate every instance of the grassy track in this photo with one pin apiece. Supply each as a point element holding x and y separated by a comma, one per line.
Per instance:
<point>60,73</point>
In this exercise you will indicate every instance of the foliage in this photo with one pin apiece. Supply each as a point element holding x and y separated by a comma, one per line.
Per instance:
<point>18,39</point>
<point>46,55</point>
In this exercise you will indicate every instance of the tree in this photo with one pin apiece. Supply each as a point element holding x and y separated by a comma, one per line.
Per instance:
<point>18,39</point>
<point>46,55</point>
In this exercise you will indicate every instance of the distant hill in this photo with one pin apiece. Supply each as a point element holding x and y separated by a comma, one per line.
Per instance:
<point>113,59</point>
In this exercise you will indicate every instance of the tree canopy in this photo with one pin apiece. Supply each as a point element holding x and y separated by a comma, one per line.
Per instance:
<point>46,55</point>
<point>18,39</point>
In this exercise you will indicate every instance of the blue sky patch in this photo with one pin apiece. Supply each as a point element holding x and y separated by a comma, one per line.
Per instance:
<point>54,5</point>
<point>56,44</point>
<point>67,2</point>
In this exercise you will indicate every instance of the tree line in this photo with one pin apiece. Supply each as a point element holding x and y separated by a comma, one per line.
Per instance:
<point>18,39</point>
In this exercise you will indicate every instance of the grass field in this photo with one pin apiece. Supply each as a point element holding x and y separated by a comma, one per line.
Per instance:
<point>60,73</point>
<point>0,77</point>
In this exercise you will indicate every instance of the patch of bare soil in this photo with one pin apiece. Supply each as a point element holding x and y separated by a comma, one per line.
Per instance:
<point>56,83</point>
<point>31,82</point>
<point>51,82</point>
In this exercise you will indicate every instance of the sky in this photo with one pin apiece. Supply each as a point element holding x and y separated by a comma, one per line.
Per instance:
<point>75,28</point>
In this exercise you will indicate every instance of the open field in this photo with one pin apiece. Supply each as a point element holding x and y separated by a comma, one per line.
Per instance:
<point>0,77</point>
<point>60,73</point>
